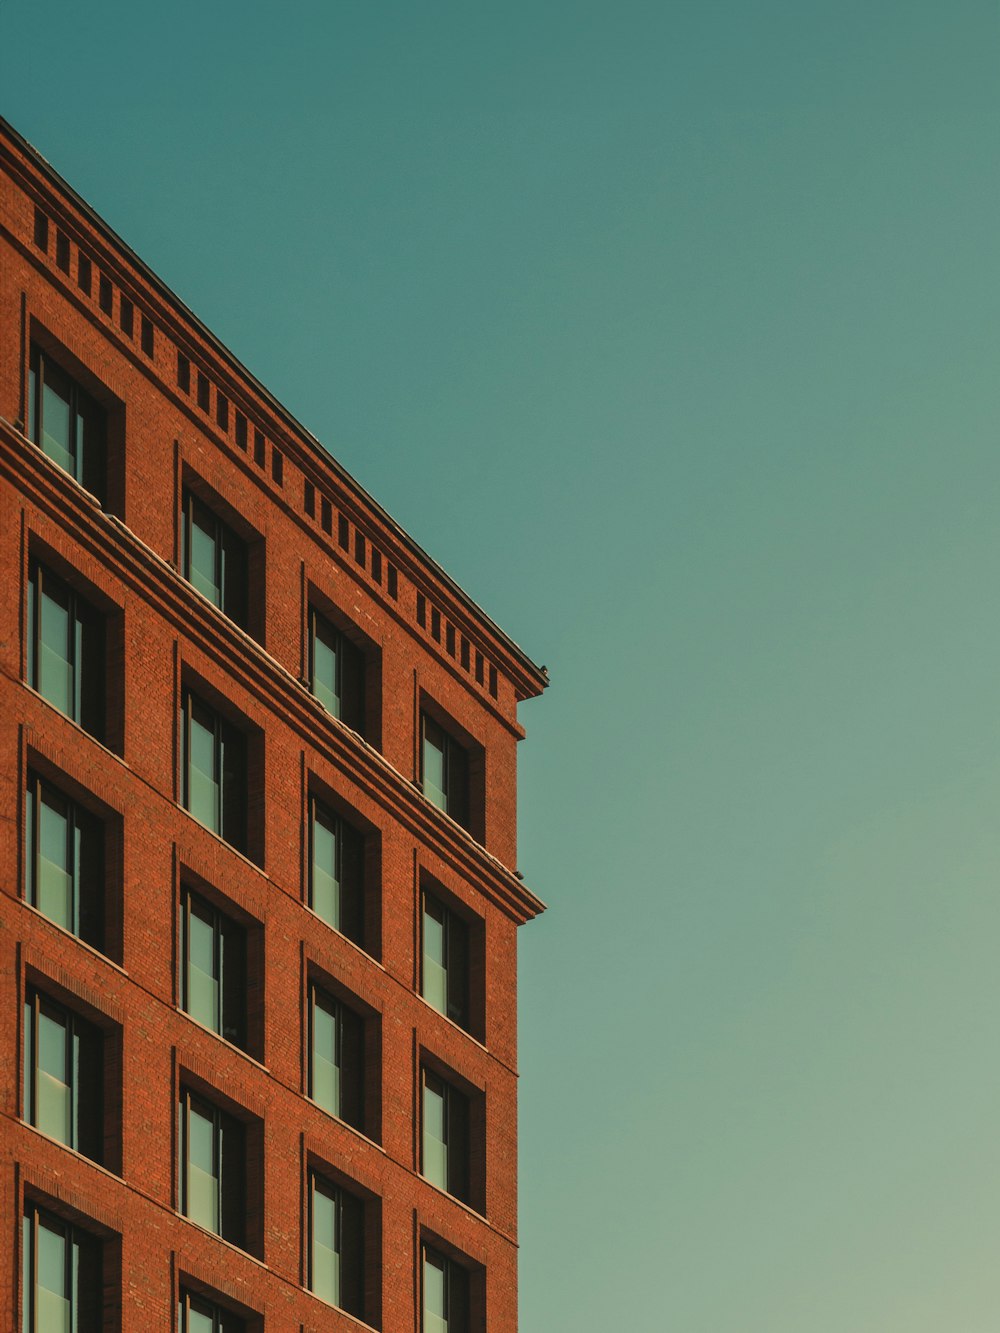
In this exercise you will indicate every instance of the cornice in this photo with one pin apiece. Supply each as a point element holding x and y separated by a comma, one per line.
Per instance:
<point>158,584</point>
<point>177,322</point>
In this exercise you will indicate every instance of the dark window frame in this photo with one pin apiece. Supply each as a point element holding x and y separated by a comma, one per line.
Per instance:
<point>87,864</point>
<point>231,952</point>
<point>231,557</point>
<point>86,648</point>
<point>351,1056</point>
<point>231,771</point>
<point>91,1255</point>
<point>223,1319</point>
<point>351,669</point>
<point>229,1141</point>
<point>458,1290</point>
<point>457,1118</point>
<point>85,1069</point>
<point>89,468</point>
<point>351,872</point>
<point>349,1215</point>
<point>457,759</point>
<point>458,941</point>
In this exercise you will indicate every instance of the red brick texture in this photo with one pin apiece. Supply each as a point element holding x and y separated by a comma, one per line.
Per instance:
<point>315,535</point>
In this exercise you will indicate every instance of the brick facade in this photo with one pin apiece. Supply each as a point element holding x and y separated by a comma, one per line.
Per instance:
<point>183,417</point>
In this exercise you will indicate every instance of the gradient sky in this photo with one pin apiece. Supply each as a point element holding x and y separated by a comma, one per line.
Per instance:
<point>670,329</point>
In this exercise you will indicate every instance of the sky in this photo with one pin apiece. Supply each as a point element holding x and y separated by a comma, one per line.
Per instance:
<point>670,330</point>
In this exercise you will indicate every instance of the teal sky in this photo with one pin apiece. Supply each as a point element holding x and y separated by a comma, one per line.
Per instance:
<point>671,331</point>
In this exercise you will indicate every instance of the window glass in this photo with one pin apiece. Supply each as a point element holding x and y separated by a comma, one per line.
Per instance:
<point>337,671</point>
<point>435,1146</point>
<point>434,764</point>
<point>56,642</point>
<point>61,1276</point>
<point>325,1247</point>
<point>52,1296</point>
<point>435,1295</point>
<point>325,867</point>
<point>435,976</point>
<point>53,1112</point>
<point>202,978</point>
<point>214,559</point>
<point>54,888</point>
<point>213,771</point>
<point>204,564</point>
<point>337,872</point>
<point>202,1178</point>
<point>65,422</point>
<point>64,862</point>
<point>65,650</point>
<point>326,674</point>
<point>198,1322</point>
<point>326,1056</point>
<point>203,772</point>
<point>58,434</point>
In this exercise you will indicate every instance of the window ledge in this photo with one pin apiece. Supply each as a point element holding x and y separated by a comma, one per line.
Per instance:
<point>457,1027</point>
<point>352,1129</point>
<point>229,1045</point>
<point>96,953</point>
<point>353,944</point>
<point>112,754</point>
<point>229,1244</point>
<point>344,1314</point>
<point>220,839</point>
<point>75,1152</point>
<point>466,1207</point>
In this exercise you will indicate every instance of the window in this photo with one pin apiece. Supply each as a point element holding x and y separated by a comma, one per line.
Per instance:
<point>212,1167</point>
<point>64,861</point>
<point>446,1294</point>
<point>213,771</point>
<point>213,969</point>
<point>445,979</point>
<point>66,650</point>
<point>336,671</point>
<point>336,1057</point>
<point>336,1246</point>
<point>214,559</point>
<point>61,1275</point>
<point>66,423</point>
<point>444,1158</point>
<point>444,770</point>
<point>63,1075</point>
<point>197,1315</point>
<point>336,872</point>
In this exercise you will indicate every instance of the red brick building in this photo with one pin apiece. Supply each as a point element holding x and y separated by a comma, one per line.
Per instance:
<point>257,844</point>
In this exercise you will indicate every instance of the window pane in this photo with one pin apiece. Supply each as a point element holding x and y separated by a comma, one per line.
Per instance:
<point>325,1063</point>
<point>55,881</point>
<point>203,776</point>
<point>435,1158</point>
<point>202,1184</point>
<point>203,983</point>
<point>435,976</point>
<point>52,1298</point>
<point>202,557</point>
<point>433,764</point>
<point>199,1322</point>
<point>435,1300</point>
<point>325,1249</point>
<point>53,1114</point>
<point>325,876</point>
<point>57,420</point>
<point>55,657</point>
<point>326,675</point>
